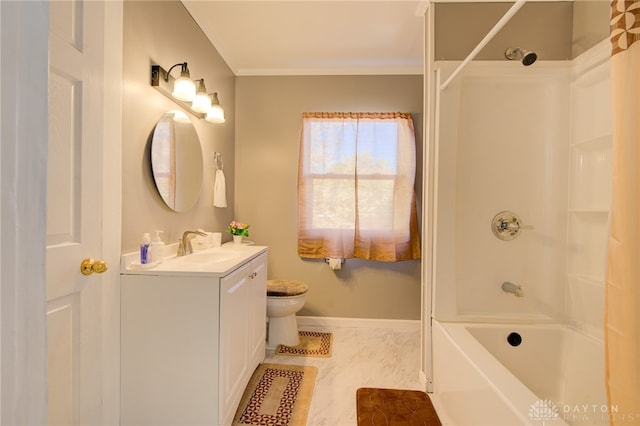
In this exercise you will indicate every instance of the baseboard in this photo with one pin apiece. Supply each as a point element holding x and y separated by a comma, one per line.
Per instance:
<point>358,322</point>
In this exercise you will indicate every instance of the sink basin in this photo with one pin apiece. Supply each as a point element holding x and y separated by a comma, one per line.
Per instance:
<point>203,258</point>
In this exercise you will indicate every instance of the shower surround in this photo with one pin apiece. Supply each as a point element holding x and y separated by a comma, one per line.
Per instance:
<point>535,141</point>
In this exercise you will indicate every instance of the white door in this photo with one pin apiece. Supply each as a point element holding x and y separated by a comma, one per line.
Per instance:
<point>77,315</point>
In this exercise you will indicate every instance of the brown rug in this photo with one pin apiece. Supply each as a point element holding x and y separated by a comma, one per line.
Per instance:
<point>394,407</point>
<point>312,343</point>
<point>277,395</point>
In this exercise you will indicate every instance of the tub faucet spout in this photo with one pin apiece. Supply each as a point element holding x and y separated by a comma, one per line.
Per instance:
<point>510,287</point>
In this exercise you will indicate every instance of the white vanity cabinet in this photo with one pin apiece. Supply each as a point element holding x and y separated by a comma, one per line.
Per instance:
<point>190,342</point>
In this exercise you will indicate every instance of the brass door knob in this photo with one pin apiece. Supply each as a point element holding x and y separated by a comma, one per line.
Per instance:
<point>89,266</point>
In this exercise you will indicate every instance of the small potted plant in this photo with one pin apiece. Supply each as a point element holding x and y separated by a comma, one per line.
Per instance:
<point>238,230</point>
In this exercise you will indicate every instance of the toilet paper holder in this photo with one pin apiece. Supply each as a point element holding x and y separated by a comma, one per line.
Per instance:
<point>335,263</point>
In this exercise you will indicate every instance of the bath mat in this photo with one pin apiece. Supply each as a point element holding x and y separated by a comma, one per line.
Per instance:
<point>277,395</point>
<point>312,343</point>
<point>391,407</point>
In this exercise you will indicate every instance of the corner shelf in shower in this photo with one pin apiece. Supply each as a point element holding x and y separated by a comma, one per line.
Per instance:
<point>602,142</point>
<point>587,280</point>
<point>590,189</point>
<point>588,210</point>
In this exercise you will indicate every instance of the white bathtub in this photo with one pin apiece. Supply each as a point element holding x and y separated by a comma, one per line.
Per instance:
<point>481,379</point>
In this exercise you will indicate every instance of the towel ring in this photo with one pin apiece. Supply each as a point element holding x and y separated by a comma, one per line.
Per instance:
<point>217,158</point>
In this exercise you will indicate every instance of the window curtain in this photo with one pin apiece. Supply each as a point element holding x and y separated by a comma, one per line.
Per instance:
<point>356,195</point>
<point>622,311</point>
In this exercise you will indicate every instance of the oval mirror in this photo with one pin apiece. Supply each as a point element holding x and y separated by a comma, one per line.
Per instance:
<point>176,161</point>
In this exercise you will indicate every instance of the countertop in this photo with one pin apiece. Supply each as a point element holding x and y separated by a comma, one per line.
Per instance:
<point>214,262</point>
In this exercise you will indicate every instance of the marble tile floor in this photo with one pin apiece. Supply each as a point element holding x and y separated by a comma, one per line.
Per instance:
<point>381,357</point>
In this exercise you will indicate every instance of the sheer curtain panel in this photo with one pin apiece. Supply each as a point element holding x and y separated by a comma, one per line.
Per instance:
<point>356,195</point>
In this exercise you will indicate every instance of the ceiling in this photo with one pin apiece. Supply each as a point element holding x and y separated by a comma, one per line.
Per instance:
<point>307,37</point>
<point>369,37</point>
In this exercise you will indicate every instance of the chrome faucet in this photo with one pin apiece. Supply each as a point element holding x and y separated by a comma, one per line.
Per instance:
<point>185,247</point>
<point>510,287</point>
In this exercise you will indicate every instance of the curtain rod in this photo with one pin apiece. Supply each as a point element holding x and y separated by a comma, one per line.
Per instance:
<point>496,28</point>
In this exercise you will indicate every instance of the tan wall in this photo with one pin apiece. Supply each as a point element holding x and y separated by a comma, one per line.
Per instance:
<point>542,27</point>
<point>163,32</point>
<point>590,24</point>
<point>269,117</point>
<point>558,30</point>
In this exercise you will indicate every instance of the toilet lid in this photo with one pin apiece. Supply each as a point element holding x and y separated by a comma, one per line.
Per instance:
<point>286,288</point>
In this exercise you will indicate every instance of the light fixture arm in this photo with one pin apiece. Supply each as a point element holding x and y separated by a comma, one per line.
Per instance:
<point>184,72</point>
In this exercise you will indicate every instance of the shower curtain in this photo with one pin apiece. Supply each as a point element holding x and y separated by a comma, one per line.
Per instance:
<point>622,314</point>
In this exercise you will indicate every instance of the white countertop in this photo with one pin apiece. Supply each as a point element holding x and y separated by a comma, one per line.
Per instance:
<point>214,262</point>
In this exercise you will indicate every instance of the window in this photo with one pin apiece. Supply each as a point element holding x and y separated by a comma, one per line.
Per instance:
<point>356,187</point>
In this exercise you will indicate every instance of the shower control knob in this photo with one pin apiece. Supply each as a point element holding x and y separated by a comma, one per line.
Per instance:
<point>507,225</point>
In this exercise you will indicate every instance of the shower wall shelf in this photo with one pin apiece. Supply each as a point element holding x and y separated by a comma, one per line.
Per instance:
<point>590,210</point>
<point>591,174</point>
<point>597,143</point>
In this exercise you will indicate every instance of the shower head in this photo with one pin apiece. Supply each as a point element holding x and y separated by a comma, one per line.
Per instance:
<point>527,57</point>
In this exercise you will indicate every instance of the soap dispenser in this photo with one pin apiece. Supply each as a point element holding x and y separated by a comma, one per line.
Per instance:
<point>157,247</point>
<point>145,255</point>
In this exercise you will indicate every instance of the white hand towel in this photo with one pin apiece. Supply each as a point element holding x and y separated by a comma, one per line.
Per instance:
<point>219,191</point>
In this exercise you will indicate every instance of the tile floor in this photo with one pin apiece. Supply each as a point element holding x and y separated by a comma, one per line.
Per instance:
<point>362,357</point>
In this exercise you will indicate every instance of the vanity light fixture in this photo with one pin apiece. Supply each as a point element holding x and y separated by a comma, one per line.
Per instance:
<point>202,101</point>
<point>183,92</point>
<point>215,113</point>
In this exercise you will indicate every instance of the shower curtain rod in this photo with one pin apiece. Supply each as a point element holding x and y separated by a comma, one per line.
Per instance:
<point>497,27</point>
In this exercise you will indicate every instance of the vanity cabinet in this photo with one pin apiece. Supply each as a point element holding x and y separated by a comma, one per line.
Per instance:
<point>190,343</point>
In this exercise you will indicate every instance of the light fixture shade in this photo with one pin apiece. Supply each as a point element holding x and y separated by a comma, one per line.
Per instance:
<point>202,101</point>
<point>184,89</point>
<point>215,114</point>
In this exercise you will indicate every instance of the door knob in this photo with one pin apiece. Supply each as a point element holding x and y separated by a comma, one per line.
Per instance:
<point>89,266</point>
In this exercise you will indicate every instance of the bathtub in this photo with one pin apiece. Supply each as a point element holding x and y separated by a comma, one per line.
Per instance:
<point>547,373</point>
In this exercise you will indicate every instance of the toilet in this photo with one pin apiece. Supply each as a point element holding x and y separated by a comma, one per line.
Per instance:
<point>284,299</point>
